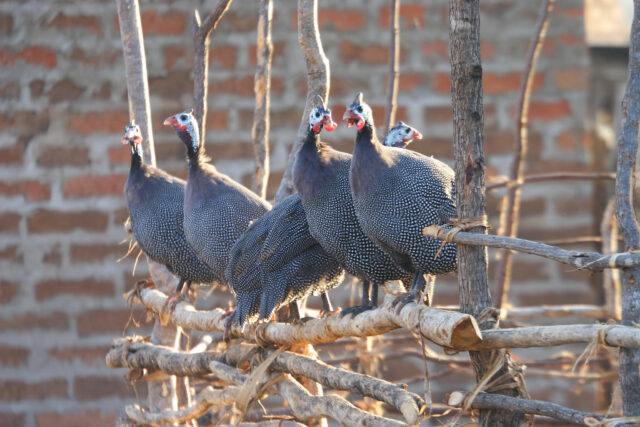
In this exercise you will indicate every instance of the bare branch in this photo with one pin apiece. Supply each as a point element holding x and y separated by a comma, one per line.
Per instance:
<point>318,77</point>
<point>262,89</point>
<point>201,32</point>
<point>511,208</point>
<point>394,66</point>
<point>560,176</point>
<point>625,214</point>
<point>593,261</point>
<point>445,328</point>
<point>536,407</point>
<point>135,64</point>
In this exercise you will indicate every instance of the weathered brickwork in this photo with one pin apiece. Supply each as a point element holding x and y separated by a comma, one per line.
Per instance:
<point>63,105</point>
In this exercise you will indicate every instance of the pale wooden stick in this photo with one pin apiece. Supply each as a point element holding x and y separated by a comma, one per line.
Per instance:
<point>394,65</point>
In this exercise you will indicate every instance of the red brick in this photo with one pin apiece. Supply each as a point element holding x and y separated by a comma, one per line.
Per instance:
<point>18,391</point>
<point>410,15</point>
<point>11,155</point>
<point>65,90</point>
<point>502,83</point>
<point>573,206</point>
<point>570,140</point>
<point>95,387</point>
<point>573,12</point>
<point>11,253</point>
<point>278,51</point>
<point>87,355</point>
<point>339,19</point>
<point>9,419</point>
<point>47,221</point>
<point>13,356</point>
<point>53,288</point>
<point>8,290</point>
<point>10,91</point>
<point>410,81</point>
<point>240,21</point>
<point>241,86</point>
<point>556,298</point>
<point>172,54</point>
<point>169,23</point>
<point>31,190</point>
<point>438,47</point>
<point>95,252</point>
<point>94,186</point>
<point>571,79</point>
<point>570,39</point>
<point>25,122</point>
<point>76,419</point>
<point>66,22</point>
<point>28,321</point>
<point>441,83</point>
<point>103,321</point>
<point>487,50</point>
<point>234,150</point>
<point>441,148</point>
<point>549,111</point>
<point>223,56</point>
<point>33,55</point>
<point>438,114</point>
<point>172,85</point>
<point>120,155</point>
<point>104,92</point>
<point>52,156</point>
<point>53,256</point>
<point>6,24</point>
<point>371,54</point>
<point>499,142</point>
<point>94,59</point>
<point>36,87</point>
<point>217,120</point>
<point>9,222</point>
<point>106,121</point>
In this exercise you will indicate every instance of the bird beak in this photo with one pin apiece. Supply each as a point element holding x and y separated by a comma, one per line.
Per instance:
<point>352,119</point>
<point>329,124</point>
<point>414,135</point>
<point>129,135</point>
<point>170,121</point>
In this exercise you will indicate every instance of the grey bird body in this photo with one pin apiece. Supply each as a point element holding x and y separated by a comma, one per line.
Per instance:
<point>155,203</point>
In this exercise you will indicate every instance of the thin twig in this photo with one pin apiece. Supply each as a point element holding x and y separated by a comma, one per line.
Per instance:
<point>511,206</point>
<point>201,30</point>
<point>262,89</point>
<point>394,65</point>
<point>611,277</point>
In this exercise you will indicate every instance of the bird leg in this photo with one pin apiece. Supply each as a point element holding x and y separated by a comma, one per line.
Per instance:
<point>365,303</point>
<point>374,295</point>
<point>177,295</point>
<point>327,307</point>
<point>417,286</point>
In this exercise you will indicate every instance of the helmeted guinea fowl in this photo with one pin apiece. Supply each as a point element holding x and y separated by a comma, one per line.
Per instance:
<point>321,177</point>
<point>401,135</point>
<point>396,193</point>
<point>217,209</point>
<point>155,203</point>
<point>277,262</point>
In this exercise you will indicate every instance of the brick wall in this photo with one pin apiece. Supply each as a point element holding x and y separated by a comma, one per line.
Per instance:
<point>63,106</point>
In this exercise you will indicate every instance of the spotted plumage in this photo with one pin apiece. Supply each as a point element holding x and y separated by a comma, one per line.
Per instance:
<point>321,177</point>
<point>155,203</point>
<point>217,210</point>
<point>396,193</point>
<point>277,262</point>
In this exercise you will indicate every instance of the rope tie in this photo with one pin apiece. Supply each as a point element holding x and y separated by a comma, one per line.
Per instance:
<point>594,345</point>
<point>457,225</point>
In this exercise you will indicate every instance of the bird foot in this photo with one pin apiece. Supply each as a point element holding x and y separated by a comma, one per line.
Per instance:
<point>172,301</point>
<point>405,298</point>
<point>355,310</point>
<point>226,334</point>
<point>138,287</point>
<point>324,313</point>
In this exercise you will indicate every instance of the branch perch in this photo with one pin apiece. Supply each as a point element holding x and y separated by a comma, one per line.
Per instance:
<point>593,261</point>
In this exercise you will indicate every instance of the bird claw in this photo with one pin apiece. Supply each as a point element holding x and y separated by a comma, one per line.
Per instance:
<point>355,310</point>
<point>324,313</point>
<point>405,298</point>
<point>170,304</point>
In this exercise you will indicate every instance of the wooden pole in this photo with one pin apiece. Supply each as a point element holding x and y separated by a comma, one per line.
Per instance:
<point>394,66</point>
<point>466,85</point>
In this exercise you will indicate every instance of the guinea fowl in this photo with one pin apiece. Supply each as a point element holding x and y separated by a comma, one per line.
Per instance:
<point>401,135</point>
<point>217,210</point>
<point>396,193</point>
<point>321,177</point>
<point>155,202</point>
<point>277,262</point>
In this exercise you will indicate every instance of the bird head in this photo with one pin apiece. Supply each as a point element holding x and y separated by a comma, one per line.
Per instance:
<point>358,113</point>
<point>133,137</point>
<point>186,127</point>
<point>401,135</point>
<point>319,117</point>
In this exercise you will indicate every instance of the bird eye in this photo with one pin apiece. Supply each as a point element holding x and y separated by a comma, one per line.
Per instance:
<point>407,131</point>
<point>183,117</point>
<point>359,109</point>
<point>317,114</point>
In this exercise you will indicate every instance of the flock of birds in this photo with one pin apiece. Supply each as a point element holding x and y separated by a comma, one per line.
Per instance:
<point>361,213</point>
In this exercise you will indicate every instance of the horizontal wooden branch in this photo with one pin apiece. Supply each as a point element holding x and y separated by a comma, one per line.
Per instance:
<point>593,261</point>
<point>534,407</point>
<point>560,176</point>
<point>546,311</point>
<point>445,328</point>
<point>134,353</point>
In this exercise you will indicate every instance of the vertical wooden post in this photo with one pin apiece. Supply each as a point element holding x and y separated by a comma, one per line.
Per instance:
<point>626,217</point>
<point>262,89</point>
<point>394,66</point>
<point>466,85</point>
<point>318,78</point>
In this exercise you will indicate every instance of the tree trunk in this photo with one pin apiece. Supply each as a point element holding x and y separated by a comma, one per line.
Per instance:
<point>466,84</point>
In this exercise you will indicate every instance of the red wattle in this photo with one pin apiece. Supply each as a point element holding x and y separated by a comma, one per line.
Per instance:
<point>331,126</point>
<point>360,124</point>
